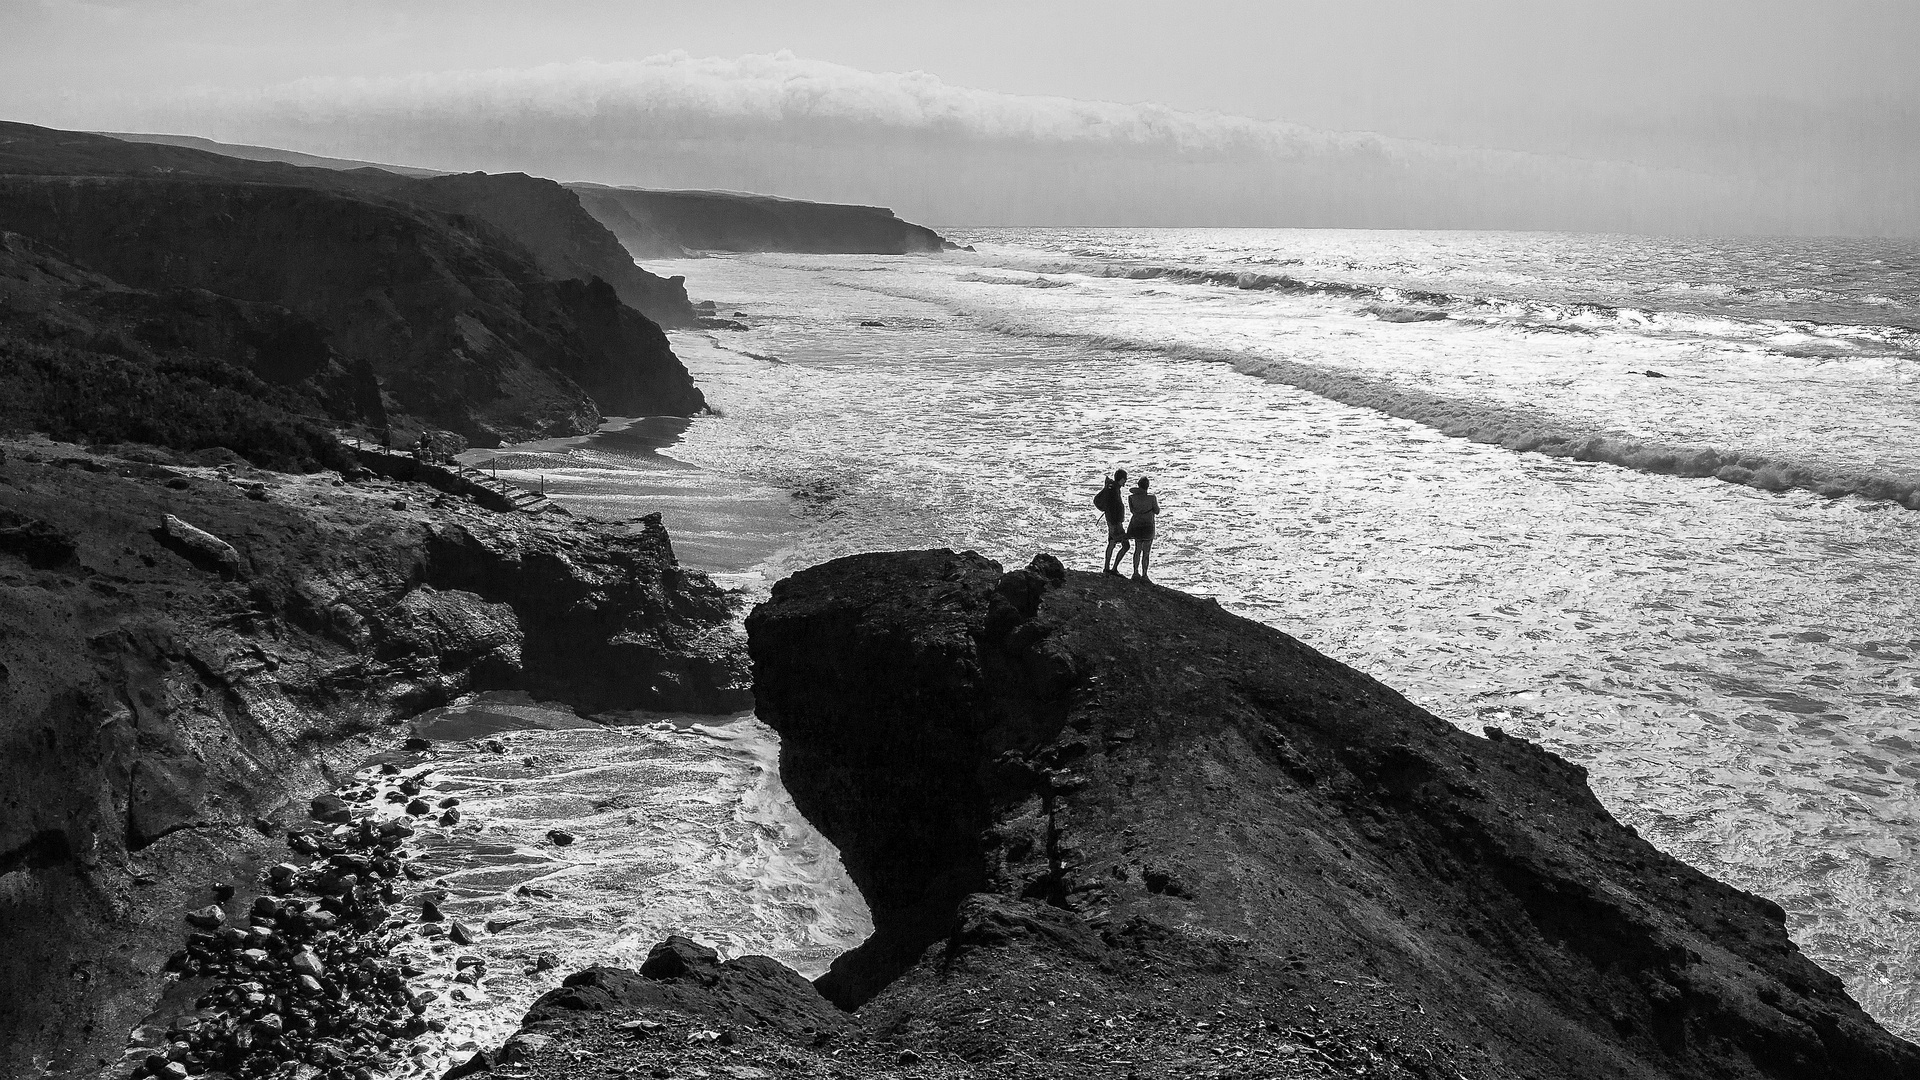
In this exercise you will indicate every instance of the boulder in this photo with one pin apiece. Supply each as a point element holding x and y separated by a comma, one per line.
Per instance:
<point>197,546</point>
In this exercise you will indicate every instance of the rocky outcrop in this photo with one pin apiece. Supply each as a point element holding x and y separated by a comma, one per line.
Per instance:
<point>185,652</point>
<point>1111,829</point>
<point>669,224</point>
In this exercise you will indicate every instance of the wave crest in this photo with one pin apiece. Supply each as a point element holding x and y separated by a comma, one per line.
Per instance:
<point>1528,430</point>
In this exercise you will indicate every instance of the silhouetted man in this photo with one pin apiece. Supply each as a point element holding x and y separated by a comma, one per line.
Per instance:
<point>1110,503</point>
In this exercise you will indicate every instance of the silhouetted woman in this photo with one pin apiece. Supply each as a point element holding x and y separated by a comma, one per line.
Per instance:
<point>1145,508</point>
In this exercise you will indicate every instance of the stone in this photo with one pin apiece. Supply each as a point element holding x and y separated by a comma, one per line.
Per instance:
<point>307,963</point>
<point>677,956</point>
<point>330,808</point>
<point>449,803</point>
<point>207,918</point>
<point>197,546</point>
<point>451,817</point>
<point>560,837</point>
<point>430,911</point>
<point>460,934</point>
<point>523,1045</point>
<point>419,808</point>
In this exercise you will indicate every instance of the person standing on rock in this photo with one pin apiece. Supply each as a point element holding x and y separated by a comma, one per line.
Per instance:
<point>1145,507</point>
<point>1109,503</point>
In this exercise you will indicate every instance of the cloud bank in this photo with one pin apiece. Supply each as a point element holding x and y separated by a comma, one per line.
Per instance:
<point>953,155</point>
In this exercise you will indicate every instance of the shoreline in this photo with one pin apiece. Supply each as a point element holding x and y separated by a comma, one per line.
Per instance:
<point>728,527</point>
<point>724,527</point>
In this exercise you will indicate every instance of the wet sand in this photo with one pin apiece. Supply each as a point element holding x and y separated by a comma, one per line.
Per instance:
<point>725,525</point>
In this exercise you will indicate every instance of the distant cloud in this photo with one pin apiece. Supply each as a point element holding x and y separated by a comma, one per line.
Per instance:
<point>955,155</point>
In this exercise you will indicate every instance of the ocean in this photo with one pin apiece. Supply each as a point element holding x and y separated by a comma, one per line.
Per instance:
<point>1649,502</point>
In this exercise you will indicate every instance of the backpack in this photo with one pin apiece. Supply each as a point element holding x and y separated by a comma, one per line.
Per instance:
<point>1104,501</point>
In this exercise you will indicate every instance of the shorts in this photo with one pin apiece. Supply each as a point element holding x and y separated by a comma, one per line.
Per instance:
<point>1140,532</point>
<point>1116,530</point>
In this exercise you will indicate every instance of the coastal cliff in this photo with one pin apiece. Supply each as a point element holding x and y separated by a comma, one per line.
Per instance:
<point>671,224</point>
<point>188,652</point>
<point>1110,829</point>
<point>392,314</point>
<point>539,216</point>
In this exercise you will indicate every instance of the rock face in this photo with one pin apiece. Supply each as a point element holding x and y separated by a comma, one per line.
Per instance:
<point>448,300</point>
<point>669,224</point>
<point>565,241</point>
<point>85,358</point>
<point>538,215</point>
<point>185,651</point>
<point>1079,795</point>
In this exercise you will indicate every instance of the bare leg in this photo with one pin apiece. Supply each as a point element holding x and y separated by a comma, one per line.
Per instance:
<point>1112,561</point>
<point>1141,553</point>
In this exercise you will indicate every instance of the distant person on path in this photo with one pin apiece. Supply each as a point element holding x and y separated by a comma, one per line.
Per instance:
<point>1145,508</point>
<point>1110,504</point>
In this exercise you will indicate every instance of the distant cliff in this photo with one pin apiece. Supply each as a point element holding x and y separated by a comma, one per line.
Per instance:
<point>416,312</point>
<point>666,224</point>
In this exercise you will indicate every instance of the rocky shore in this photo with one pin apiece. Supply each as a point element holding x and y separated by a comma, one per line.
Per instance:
<point>1109,829</point>
<point>189,651</point>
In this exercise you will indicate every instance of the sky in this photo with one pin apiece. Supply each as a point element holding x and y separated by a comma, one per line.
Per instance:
<point>1676,116</point>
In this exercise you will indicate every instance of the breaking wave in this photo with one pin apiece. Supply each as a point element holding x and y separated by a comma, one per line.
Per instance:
<point>1390,304</point>
<point>1530,430</point>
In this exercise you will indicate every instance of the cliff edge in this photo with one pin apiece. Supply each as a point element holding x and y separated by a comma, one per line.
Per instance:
<point>1108,829</point>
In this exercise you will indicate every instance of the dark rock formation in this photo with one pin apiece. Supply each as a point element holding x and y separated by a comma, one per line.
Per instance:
<point>160,697</point>
<point>1165,770</point>
<point>449,300</point>
<point>85,358</point>
<point>1110,829</point>
<point>668,224</point>
<point>686,976</point>
<point>565,241</point>
<point>538,215</point>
